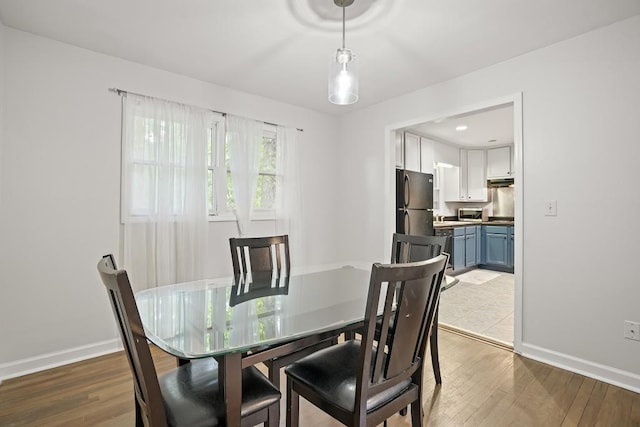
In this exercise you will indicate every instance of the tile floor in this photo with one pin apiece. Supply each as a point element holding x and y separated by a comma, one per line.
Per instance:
<point>482,303</point>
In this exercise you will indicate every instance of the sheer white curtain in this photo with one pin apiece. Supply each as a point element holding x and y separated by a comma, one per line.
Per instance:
<point>288,206</point>
<point>164,184</point>
<point>244,137</point>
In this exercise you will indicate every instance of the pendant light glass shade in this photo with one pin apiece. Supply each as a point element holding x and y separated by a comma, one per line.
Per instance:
<point>343,71</point>
<point>343,78</point>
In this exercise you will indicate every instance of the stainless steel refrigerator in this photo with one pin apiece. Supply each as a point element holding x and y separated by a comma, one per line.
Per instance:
<point>414,203</point>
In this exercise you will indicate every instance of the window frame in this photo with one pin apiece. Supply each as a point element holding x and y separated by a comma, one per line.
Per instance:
<point>218,165</point>
<point>128,213</point>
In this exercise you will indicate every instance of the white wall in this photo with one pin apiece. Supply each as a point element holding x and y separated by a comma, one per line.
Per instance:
<point>581,147</point>
<point>2,65</point>
<point>446,153</point>
<point>61,190</point>
<point>3,284</point>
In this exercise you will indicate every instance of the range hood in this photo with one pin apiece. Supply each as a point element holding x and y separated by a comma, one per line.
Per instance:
<point>500,182</point>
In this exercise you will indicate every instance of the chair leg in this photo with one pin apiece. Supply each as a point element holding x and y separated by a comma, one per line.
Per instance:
<point>433,345</point>
<point>274,375</point>
<point>293,405</point>
<point>139,421</point>
<point>416,414</point>
<point>274,415</point>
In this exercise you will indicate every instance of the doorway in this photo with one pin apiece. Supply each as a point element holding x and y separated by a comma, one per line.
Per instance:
<point>487,301</point>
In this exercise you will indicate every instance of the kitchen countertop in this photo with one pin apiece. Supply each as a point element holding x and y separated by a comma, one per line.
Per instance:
<point>449,224</point>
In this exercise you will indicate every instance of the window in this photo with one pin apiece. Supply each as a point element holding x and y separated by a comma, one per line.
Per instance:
<point>216,171</point>
<point>148,157</point>
<point>175,173</point>
<point>220,185</point>
<point>157,146</point>
<point>268,180</point>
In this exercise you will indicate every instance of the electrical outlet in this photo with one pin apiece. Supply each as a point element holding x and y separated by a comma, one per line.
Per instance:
<point>551,208</point>
<point>632,330</point>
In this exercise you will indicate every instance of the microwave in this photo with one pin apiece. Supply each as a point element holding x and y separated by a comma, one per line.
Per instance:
<point>472,214</point>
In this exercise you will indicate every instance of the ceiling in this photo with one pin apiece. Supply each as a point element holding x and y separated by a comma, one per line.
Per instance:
<point>484,128</point>
<point>281,49</point>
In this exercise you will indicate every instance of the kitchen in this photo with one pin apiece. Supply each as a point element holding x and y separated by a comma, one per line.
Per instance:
<point>471,159</point>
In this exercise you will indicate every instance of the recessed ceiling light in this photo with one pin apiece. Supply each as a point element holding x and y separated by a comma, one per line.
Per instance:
<point>461,127</point>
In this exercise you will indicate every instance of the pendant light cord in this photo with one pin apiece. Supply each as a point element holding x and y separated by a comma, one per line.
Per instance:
<point>343,19</point>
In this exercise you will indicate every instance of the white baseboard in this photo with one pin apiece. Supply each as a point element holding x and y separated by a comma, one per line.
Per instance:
<point>58,358</point>
<point>607,374</point>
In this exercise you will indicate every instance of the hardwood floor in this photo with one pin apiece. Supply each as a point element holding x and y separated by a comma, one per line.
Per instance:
<point>482,385</point>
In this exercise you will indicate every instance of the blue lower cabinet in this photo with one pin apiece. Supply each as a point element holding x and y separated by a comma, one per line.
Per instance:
<point>458,252</point>
<point>466,247</point>
<point>478,244</point>
<point>510,249</point>
<point>470,249</point>
<point>497,245</point>
<point>496,249</point>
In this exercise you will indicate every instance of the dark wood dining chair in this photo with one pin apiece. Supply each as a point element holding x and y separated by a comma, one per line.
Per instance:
<point>359,382</point>
<point>188,395</point>
<point>409,248</point>
<point>268,256</point>
<point>264,260</point>
<point>261,267</point>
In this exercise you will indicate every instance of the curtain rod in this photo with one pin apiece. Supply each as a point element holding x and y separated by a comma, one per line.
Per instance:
<point>121,92</point>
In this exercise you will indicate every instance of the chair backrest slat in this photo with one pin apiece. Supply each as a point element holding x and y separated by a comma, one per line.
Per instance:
<point>124,307</point>
<point>418,289</point>
<point>384,330</point>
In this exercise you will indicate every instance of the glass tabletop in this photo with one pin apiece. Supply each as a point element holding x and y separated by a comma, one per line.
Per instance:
<point>210,318</point>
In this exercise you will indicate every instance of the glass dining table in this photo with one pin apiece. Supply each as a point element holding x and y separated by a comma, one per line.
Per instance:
<point>241,324</point>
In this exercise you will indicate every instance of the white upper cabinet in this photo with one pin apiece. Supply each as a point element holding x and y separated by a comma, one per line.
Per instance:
<point>416,151</point>
<point>469,182</point>
<point>499,161</point>
<point>476,175</point>
<point>411,152</point>
<point>426,155</point>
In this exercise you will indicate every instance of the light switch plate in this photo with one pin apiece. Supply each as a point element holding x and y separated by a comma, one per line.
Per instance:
<point>551,208</point>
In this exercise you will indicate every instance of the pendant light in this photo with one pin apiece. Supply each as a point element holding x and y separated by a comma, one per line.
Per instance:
<point>343,72</point>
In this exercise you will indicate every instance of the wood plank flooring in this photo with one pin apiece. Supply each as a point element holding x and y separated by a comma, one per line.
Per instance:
<point>483,385</point>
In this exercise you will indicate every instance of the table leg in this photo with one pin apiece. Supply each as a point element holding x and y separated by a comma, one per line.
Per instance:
<point>230,383</point>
